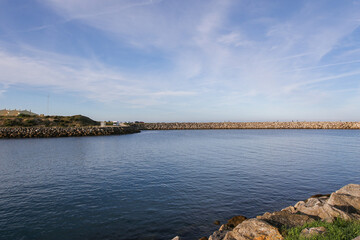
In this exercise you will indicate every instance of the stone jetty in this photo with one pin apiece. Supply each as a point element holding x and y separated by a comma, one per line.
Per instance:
<point>47,132</point>
<point>249,125</point>
<point>344,203</point>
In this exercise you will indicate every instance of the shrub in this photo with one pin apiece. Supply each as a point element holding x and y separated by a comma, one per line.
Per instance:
<point>338,230</point>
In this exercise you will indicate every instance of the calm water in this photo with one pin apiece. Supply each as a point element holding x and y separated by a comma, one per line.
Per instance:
<point>158,184</point>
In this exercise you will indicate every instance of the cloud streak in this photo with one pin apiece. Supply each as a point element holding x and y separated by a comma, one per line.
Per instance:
<point>214,50</point>
<point>90,79</point>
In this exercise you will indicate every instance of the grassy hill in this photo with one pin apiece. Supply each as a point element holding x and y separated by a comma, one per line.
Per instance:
<point>47,121</point>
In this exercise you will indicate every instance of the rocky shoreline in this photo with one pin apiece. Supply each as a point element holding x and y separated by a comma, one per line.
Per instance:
<point>344,204</point>
<point>249,125</point>
<point>48,132</point>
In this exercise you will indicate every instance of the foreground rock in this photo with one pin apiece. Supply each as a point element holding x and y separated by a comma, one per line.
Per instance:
<point>344,203</point>
<point>254,229</point>
<point>225,228</point>
<point>311,232</point>
<point>285,218</point>
<point>46,132</point>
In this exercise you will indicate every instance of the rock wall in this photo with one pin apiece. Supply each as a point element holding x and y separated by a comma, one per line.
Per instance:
<point>344,203</point>
<point>46,132</point>
<point>250,125</point>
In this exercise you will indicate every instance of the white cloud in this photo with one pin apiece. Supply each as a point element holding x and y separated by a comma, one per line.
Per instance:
<point>234,39</point>
<point>263,55</point>
<point>87,78</point>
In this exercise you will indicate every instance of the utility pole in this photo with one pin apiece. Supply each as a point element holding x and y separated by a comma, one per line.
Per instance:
<point>47,106</point>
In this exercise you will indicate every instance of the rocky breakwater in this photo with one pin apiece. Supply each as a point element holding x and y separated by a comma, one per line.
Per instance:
<point>46,132</point>
<point>249,125</point>
<point>344,203</point>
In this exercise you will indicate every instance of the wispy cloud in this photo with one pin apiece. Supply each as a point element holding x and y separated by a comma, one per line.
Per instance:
<point>90,79</point>
<point>213,49</point>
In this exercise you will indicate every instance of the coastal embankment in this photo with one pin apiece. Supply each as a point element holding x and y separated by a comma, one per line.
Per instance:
<point>248,125</point>
<point>342,205</point>
<point>47,132</point>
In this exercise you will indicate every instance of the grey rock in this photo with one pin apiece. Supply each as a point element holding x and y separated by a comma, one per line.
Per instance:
<point>343,203</point>
<point>350,189</point>
<point>285,218</point>
<point>347,203</point>
<point>317,207</point>
<point>254,229</point>
<point>218,235</point>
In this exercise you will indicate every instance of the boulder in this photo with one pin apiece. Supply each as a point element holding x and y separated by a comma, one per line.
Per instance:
<point>344,203</point>
<point>218,235</point>
<point>285,218</point>
<point>176,238</point>
<point>289,209</point>
<point>317,207</point>
<point>357,238</point>
<point>347,203</point>
<point>254,229</point>
<point>350,189</point>
<point>311,232</point>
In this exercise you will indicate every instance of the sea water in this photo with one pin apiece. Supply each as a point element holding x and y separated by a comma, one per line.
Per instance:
<point>159,184</point>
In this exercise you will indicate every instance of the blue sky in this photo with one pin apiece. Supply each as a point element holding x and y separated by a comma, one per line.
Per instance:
<point>182,60</point>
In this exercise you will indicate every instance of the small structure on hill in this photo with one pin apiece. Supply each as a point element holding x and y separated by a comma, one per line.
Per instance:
<point>14,113</point>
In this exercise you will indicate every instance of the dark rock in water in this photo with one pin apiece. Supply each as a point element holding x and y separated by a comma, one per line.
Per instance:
<point>225,228</point>
<point>234,221</point>
<point>217,222</point>
<point>320,195</point>
<point>285,218</point>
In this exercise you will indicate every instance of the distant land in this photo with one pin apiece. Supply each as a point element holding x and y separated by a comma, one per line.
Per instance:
<point>14,113</point>
<point>248,125</point>
<point>24,118</point>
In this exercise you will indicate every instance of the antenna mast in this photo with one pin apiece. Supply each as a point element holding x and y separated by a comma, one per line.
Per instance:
<point>47,106</point>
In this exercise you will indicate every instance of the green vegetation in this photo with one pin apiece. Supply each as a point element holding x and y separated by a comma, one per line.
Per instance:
<point>46,121</point>
<point>338,230</point>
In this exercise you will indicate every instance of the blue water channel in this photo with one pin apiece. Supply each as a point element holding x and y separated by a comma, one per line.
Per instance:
<point>159,184</point>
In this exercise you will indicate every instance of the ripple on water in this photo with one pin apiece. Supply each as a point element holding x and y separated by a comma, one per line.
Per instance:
<point>158,184</point>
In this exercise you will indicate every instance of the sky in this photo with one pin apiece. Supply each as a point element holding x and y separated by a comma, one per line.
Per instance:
<point>182,60</point>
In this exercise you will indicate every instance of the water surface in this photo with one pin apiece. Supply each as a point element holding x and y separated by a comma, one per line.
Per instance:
<point>158,184</point>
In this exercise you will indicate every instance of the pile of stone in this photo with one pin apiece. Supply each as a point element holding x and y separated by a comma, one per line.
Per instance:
<point>344,203</point>
<point>249,125</point>
<point>46,132</point>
